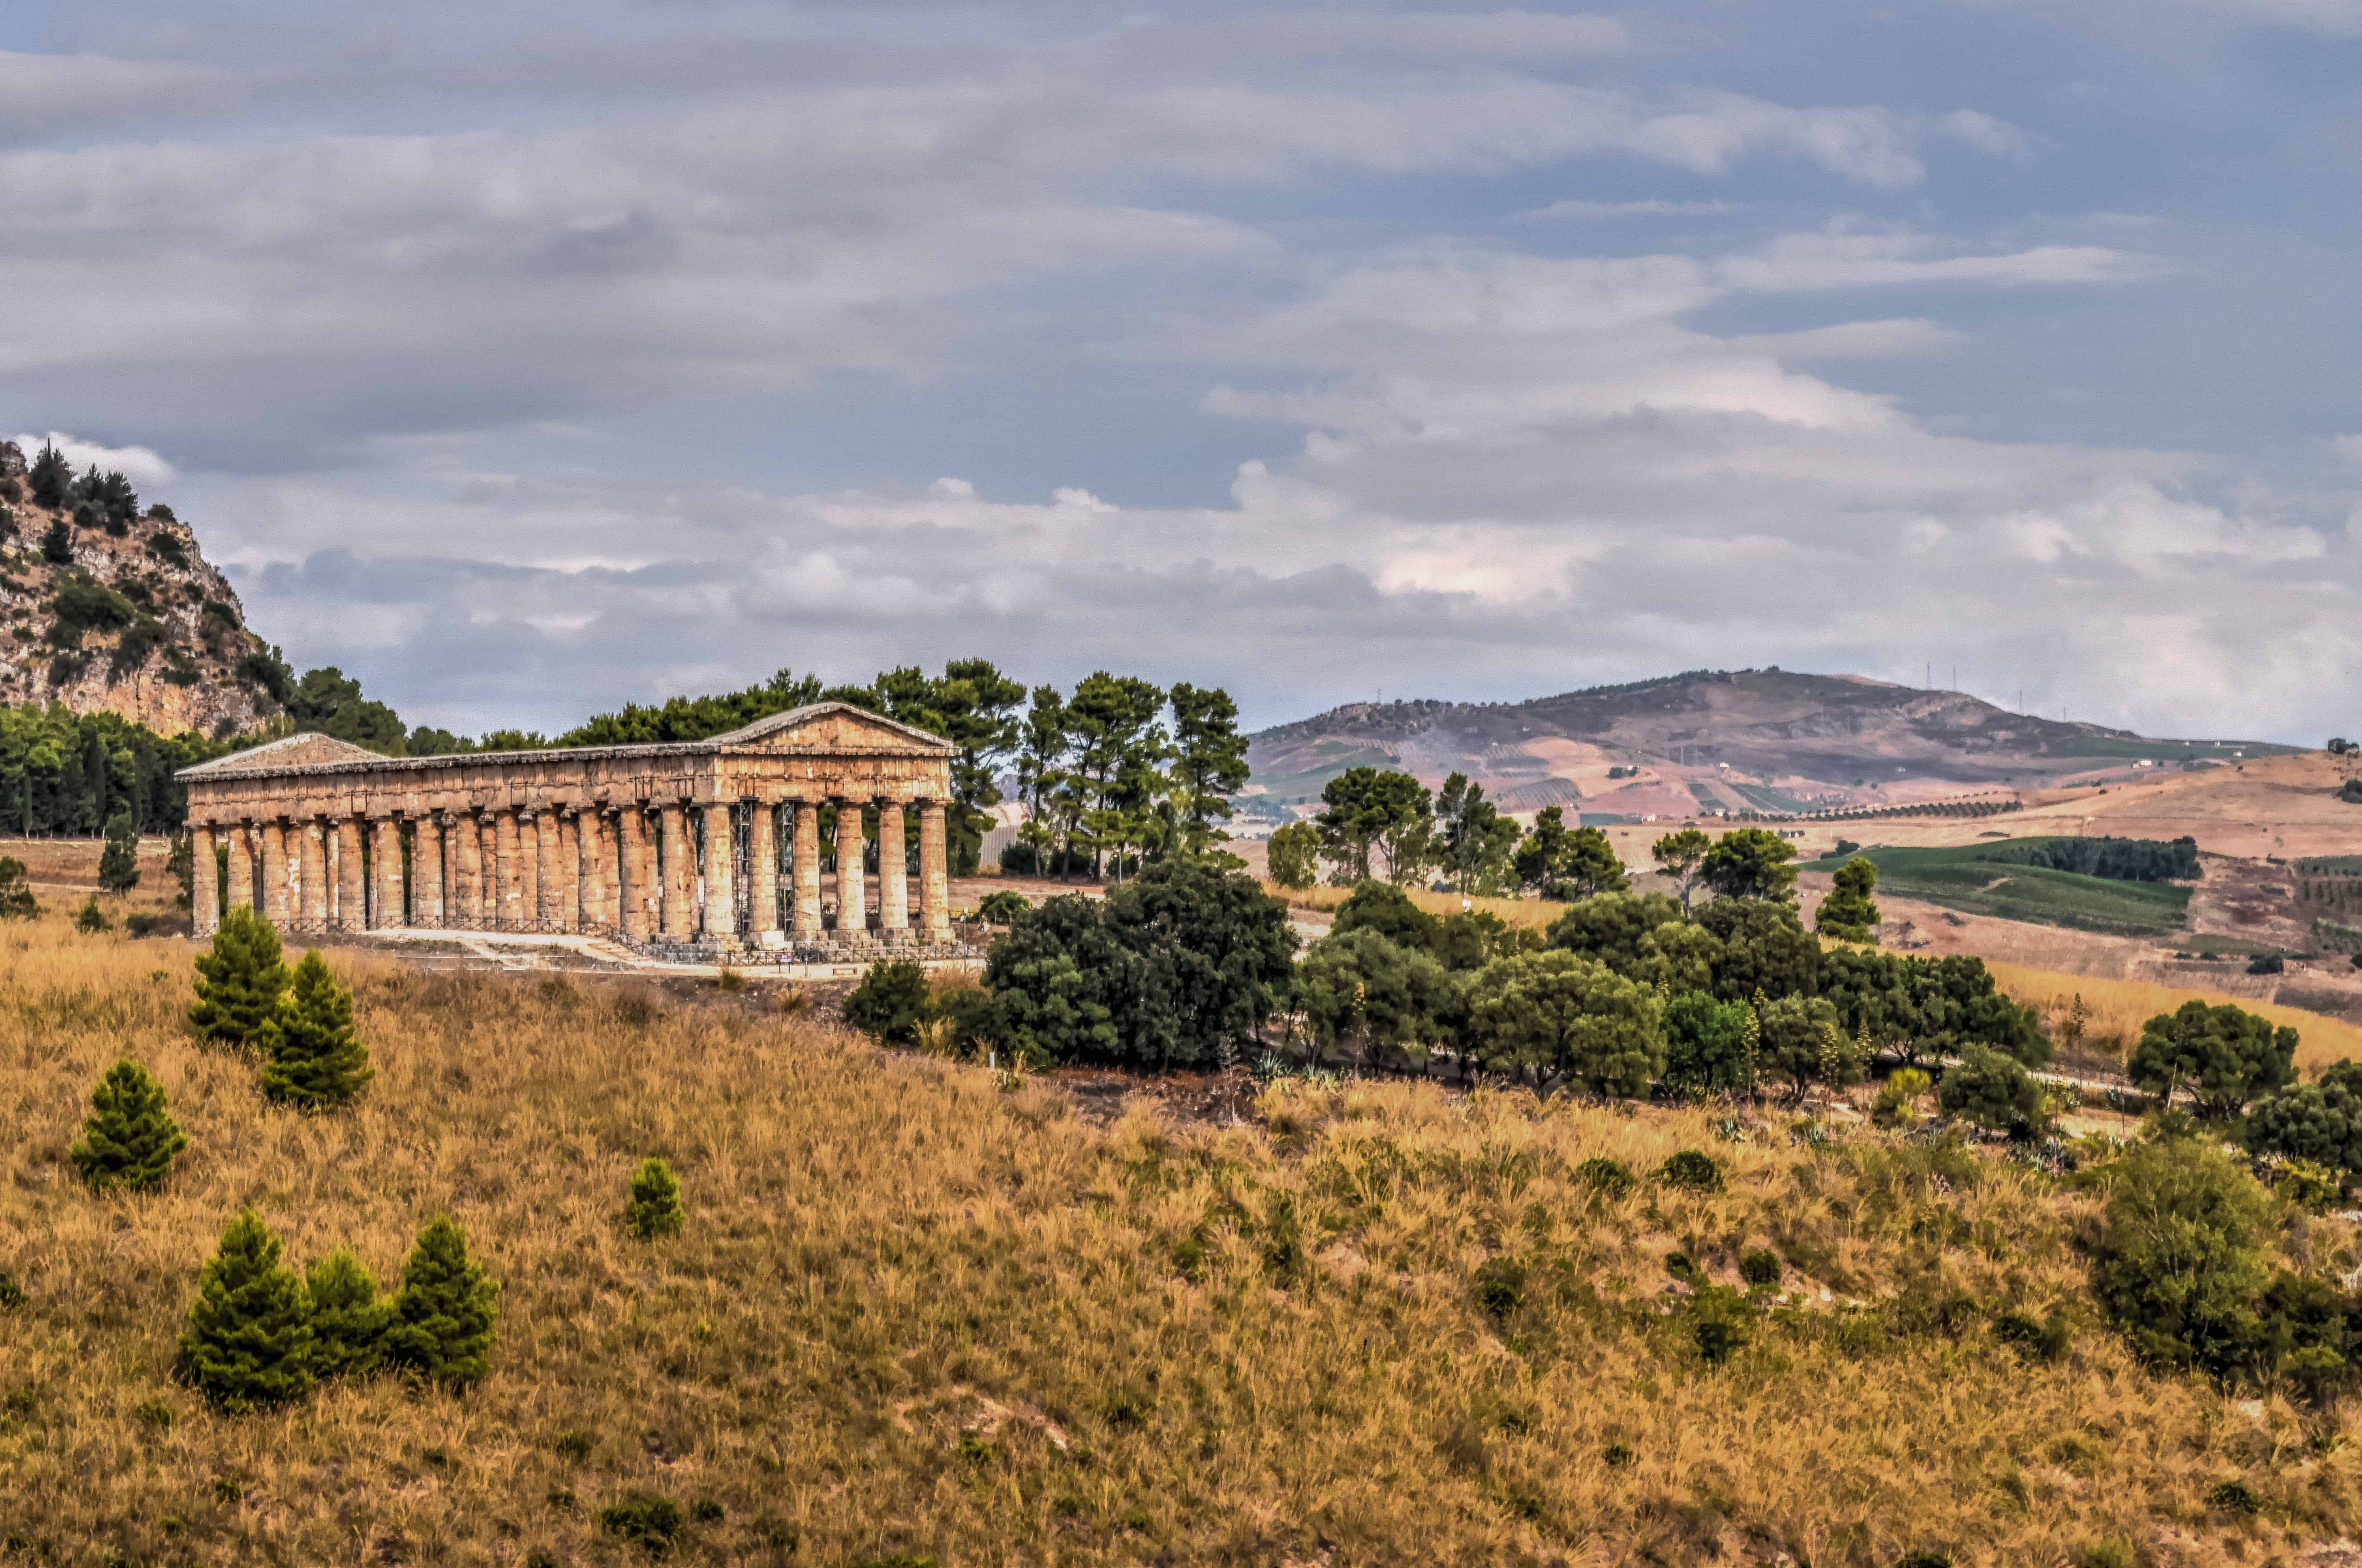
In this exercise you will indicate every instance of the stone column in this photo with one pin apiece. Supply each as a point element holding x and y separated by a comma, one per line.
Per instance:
<point>508,913</point>
<point>893,879</point>
<point>852,907</point>
<point>468,870</point>
<point>591,868</point>
<point>273,902</point>
<point>567,870</point>
<point>934,875</point>
<point>807,909</point>
<point>427,872</point>
<point>611,861</point>
<point>721,869</point>
<point>549,865</point>
<point>676,871</point>
<point>313,851</point>
<point>765,854</point>
<point>638,866</point>
<point>352,900</point>
<point>241,866</point>
<point>385,861</point>
<point>204,892</point>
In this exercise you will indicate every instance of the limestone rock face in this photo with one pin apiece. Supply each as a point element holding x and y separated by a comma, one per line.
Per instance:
<point>123,614</point>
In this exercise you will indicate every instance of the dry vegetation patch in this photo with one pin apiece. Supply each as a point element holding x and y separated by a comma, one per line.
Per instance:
<point>920,1310</point>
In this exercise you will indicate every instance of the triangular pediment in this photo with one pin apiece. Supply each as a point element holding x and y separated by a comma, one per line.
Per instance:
<point>835,727</point>
<point>294,750</point>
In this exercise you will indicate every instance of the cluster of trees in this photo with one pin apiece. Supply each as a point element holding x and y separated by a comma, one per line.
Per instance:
<point>2119,860</point>
<point>66,773</point>
<point>94,501</point>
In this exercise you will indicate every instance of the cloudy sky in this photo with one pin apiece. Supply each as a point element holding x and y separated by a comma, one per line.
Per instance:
<point>525,359</point>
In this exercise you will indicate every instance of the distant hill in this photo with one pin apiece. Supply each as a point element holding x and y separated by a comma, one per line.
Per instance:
<point>1766,740</point>
<point>105,607</point>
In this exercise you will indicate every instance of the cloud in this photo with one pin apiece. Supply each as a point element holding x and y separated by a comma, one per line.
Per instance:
<point>1654,207</point>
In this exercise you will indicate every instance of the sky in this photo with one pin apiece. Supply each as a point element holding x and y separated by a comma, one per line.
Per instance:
<point>528,359</point>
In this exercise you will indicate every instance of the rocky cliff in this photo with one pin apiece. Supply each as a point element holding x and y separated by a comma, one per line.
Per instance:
<point>105,606</point>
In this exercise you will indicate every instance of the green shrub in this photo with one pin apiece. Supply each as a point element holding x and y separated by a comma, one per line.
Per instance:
<point>129,1140</point>
<point>1002,908</point>
<point>575,1443</point>
<point>90,919</point>
<point>239,980</point>
<point>707,1511</point>
<point>118,863</point>
<point>313,1059</point>
<point>1760,1266</point>
<point>445,1313</point>
<point>1705,1045</point>
<point>1924,1558</point>
<point>1992,1091</point>
<point>890,1002</point>
<point>1610,1179</point>
<point>1692,1170</point>
<point>2175,1262</point>
<point>649,1523</point>
<point>656,1201</point>
<point>2224,1056</point>
<point>2233,1495</point>
<point>1500,1288</point>
<point>2044,1339</point>
<point>349,1317</point>
<point>1616,1456</point>
<point>17,901</point>
<point>248,1339</point>
<point>12,1295</point>
<point>1720,1317</point>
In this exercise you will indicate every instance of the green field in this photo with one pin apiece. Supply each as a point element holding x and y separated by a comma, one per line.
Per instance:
<point>2167,751</point>
<point>1765,798</point>
<point>1957,879</point>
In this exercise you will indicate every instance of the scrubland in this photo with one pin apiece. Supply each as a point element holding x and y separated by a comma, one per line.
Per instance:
<point>923,1312</point>
<point>2116,1009</point>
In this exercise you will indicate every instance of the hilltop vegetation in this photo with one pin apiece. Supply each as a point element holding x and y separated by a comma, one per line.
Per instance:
<point>915,1312</point>
<point>2007,881</point>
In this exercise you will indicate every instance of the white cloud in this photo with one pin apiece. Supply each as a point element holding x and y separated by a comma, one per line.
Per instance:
<point>1654,207</point>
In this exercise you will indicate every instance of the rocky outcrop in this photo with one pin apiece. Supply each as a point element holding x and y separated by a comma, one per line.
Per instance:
<point>104,606</point>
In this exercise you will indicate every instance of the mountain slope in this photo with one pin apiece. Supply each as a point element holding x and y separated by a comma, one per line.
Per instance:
<point>1765,740</point>
<point>104,607</point>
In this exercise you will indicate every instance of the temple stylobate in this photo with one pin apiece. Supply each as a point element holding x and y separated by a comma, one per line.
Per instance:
<point>710,848</point>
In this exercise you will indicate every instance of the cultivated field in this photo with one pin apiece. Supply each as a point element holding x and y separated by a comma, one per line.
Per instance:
<point>921,1314</point>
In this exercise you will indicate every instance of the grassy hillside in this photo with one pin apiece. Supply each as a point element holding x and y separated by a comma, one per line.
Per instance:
<point>922,1314</point>
<point>1955,878</point>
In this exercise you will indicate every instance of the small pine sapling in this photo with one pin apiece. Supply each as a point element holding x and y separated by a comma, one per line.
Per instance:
<point>16,893</point>
<point>349,1317</point>
<point>239,981</point>
<point>90,919</point>
<point>129,1140</point>
<point>655,1200</point>
<point>444,1313</point>
<point>118,863</point>
<point>248,1339</point>
<point>312,1057</point>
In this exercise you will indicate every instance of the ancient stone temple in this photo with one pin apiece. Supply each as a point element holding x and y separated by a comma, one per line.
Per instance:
<point>709,848</point>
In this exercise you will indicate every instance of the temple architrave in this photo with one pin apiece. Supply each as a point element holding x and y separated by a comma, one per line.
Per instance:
<point>707,848</point>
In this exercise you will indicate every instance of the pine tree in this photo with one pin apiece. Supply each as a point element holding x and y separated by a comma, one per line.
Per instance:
<point>655,1200</point>
<point>90,919</point>
<point>119,864</point>
<point>239,982</point>
<point>443,1316</point>
<point>249,1342</point>
<point>349,1317</point>
<point>312,1059</point>
<point>129,1139</point>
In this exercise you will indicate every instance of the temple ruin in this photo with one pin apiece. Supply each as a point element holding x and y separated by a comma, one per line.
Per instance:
<point>703,850</point>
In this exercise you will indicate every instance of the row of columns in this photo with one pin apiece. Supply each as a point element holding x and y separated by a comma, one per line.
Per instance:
<point>569,869</point>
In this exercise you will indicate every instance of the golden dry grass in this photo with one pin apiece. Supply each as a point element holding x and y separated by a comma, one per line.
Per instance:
<point>2118,1008</point>
<point>1537,913</point>
<point>911,1313</point>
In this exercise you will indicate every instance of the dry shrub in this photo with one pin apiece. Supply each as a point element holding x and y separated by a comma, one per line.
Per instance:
<point>916,1317</point>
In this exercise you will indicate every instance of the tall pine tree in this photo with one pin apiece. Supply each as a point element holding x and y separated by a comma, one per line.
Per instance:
<point>443,1316</point>
<point>312,1058</point>
<point>248,1339</point>
<point>349,1317</point>
<point>129,1139</point>
<point>239,981</point>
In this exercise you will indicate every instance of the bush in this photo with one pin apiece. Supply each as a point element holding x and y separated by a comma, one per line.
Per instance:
<point>1293,855</point>
<point>2175,1263</point>
<point>445,1313</point>
<point>349,1317</point>
<point>2320,1121</point>
<point>1992,1091</point>
<point>1554,1012</point>
<point>1388,910</point>
<point>129,1140</point>
<point>649,1523</point>
<point>1764,948</point>
<point>890,1002</point>
<point>2234,1496</point>
<point>1706,1045</point>
<point>1692,1170</point>
<point>1002,908</point>
<point>247,1343</point>
<point>1760,1266</point>
<point>313,1059</point>
<point>239,981</point>
<point>90,919</point>
<point>2267,964</point>
<point>17,894</point>
<point>1898,1095</point>
<point>1611,1178</point>
<point>2044,1339</point>
<point>1361,989</point>
<point>1792,1034</point>
<point>656,1201</point>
